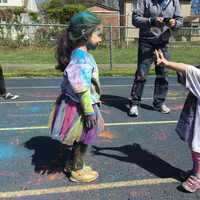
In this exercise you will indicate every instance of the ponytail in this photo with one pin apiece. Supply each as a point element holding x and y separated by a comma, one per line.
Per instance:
<point>63,52</point>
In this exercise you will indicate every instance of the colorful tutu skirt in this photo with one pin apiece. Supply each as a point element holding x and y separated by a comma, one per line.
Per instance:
<point>67,122</point>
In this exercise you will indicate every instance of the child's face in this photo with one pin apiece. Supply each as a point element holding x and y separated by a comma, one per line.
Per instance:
<point>96,37</point>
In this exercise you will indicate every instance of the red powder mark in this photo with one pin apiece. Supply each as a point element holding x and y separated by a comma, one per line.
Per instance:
<point>161,136</point>
<point>107,135</point>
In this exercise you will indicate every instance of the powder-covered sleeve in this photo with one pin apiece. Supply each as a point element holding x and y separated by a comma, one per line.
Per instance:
<point>79,75</point>
<point>193,80</point>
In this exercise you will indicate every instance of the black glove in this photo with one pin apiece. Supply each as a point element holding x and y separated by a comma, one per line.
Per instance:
<point>166,21</point>
<point>90,121</point>
<point>152,21</point>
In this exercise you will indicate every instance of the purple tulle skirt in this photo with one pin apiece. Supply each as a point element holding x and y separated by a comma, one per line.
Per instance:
<point>67,123</point>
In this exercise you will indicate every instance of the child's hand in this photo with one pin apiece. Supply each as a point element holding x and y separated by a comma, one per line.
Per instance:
<point>160,59</point>
<point>90,121</point>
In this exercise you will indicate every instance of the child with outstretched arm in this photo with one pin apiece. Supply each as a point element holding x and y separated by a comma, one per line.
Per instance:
<point>188,126</point>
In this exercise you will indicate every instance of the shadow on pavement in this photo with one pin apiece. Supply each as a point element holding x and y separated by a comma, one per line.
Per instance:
<point>146,160</point>
<point>50,156</point>
<point>121,103</point>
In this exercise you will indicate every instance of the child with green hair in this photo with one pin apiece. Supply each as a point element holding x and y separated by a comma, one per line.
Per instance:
<point>76,119</point>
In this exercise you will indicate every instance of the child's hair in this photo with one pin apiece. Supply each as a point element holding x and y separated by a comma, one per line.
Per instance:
<point>81,26</point>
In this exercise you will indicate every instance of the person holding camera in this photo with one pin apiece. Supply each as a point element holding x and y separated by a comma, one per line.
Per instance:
<point>155,19</point>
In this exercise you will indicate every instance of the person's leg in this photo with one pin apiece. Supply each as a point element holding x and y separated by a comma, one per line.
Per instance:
<point>192,183</point>
<point>161,83</point>
<point>79,171</point>
<point>2,83</point>
<point>145,59</point>
<point>3,92</point>
<point>78,151</point>
<point>196,164</point>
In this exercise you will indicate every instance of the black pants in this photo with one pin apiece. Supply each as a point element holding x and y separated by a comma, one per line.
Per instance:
<point>2,83</point>
<point>145,58</point>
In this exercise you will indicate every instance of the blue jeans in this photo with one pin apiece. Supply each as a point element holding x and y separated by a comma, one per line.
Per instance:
<point>145,59</point>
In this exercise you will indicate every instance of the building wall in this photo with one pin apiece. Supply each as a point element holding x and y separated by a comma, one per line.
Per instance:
<point>186,8</point>
<point>12,3</point>
<point>108,18</point>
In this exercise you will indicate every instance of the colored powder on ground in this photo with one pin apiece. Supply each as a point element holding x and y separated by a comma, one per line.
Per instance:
<point>107,135</point>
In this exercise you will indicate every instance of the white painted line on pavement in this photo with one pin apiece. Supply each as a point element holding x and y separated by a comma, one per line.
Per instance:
<point>51,101</point>
<point>106,124</point>
<point>88,187</point>
<point>57,87</point>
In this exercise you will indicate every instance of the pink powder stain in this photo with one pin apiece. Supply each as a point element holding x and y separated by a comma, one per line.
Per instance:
<point>37,181</point>
<point>7,173</point>
<point>177,107</point>
<point>15,141</point>
<point>161,136</point>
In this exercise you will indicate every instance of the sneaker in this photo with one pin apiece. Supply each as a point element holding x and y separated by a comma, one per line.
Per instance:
<point>192,184</point>
<point>68,168</point>
<point>10,96</point>
<point>83,175</point>
<point>87,168</point>
<point>163,109</point>
<point>185,175</point>
<point>133,112</point>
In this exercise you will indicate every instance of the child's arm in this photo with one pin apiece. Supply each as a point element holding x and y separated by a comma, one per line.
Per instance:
<point>86,102</point>
<point>192,73</point>
<point>89,114</point>
<point>160,59</point>
<point>79,76</point>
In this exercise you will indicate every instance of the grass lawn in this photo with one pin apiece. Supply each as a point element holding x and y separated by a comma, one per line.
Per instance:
<point>120,56</point>
<point>39,56</point>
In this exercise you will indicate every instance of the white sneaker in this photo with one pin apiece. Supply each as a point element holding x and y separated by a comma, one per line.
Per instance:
<point>133,112</point>
<point>163,109</point>
<point>10,96</point>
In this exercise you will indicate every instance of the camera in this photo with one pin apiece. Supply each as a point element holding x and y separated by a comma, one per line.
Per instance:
<point>166,21</point>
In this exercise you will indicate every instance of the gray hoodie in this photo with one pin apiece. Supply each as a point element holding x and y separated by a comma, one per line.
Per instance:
<point>146,9</point>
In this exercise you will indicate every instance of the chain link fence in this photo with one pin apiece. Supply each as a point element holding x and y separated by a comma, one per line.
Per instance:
<point>114,37</point>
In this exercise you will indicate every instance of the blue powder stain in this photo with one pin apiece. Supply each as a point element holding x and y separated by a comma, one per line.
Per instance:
<point>32,109</point>
<point>8,151</point>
